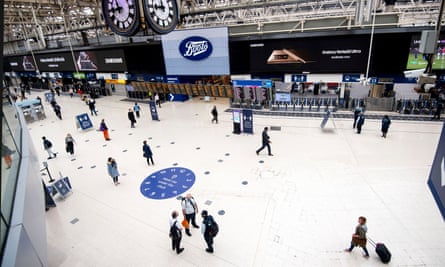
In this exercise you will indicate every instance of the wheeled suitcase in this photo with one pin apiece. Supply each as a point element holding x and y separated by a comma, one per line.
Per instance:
<point>381,250</point>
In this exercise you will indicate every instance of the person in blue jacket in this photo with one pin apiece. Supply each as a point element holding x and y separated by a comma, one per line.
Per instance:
<point>360,122</point>
<point>385,125</point>
<point>112,170</point>
<point>148,154</point>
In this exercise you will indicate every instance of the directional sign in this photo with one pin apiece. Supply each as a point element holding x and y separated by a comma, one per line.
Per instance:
<point>436,181</point>
<point>167,183</point>
<point>153,110</point>
<point>84,121</point>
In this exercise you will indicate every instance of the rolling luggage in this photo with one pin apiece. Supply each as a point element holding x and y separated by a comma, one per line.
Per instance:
<point>381,250</point>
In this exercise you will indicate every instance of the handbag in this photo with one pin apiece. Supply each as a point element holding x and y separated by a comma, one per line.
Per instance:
<point>185,223</point>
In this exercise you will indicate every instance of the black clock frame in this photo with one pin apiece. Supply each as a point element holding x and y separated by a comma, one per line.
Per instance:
<point>124,32</point>
<point>155,26</point>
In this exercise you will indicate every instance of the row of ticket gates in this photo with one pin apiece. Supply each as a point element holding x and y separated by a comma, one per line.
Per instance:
<point>307,104</point>
<point>418,107</point>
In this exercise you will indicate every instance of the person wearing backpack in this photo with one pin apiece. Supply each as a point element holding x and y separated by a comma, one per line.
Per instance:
<point>209,229</point>
<point>176,233</point>
<point>47,145</point>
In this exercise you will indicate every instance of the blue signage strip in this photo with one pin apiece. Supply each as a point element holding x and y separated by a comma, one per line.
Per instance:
<point>153,110</point>
<point>84,121</point>
<point>299,78</point>
<point>436,181</point>
<point>167,183</point>
<point>247,121</point>
<point>350,77</point>
<point>259,83</point>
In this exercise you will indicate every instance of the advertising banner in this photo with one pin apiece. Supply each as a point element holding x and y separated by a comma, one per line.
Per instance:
<point>247,121</point>
<point>153,110</point>
<point>22,63</point>
<point>339,54</point>
<point>197,52</point>
<point>55,62</point>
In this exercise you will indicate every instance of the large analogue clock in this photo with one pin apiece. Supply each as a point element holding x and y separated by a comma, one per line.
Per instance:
<point>122,16</point>
<point>161,15</point>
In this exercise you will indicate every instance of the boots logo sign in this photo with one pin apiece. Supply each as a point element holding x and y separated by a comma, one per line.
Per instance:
<point>195,48</point>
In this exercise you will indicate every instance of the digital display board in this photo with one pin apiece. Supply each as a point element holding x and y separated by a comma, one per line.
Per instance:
<point>327,55</point>
<point>22,63</point>
<point>55,62</point>
<point>196,52</point>
<point>417,60</point>
<point>101,60</point>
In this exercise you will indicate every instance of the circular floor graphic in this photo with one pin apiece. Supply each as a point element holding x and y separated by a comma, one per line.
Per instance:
<point>167,183</point>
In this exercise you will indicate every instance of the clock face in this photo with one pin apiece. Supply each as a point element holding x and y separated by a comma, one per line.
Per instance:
<point>122,16</point>
<point>167,183</point>
<point>161,15</point>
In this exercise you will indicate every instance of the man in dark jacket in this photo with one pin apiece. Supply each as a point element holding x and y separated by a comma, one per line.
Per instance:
<point>147,153</point>
<point>131,117</point>
<point>360,122</point>
<point>438,110</point>
<point>357,112</point>
<point>385,125</point>
<point>92,106</point>
<point>205,229</point>
<point>266,142</point>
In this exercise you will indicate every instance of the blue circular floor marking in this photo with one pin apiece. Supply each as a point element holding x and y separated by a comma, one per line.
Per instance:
<point>245,182</point>
<point>221,212</point>
<point>167,183</point>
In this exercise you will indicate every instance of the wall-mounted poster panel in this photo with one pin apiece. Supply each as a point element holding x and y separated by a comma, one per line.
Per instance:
<point>55,62</point>
<point>22,63</point>
<point>196,52</point>
<point>334,54</point>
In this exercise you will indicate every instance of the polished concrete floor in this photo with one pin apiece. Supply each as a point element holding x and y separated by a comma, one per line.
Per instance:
<point>297,208</point>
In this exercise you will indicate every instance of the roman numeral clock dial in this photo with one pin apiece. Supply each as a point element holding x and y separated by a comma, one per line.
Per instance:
<point>161,15</point>
<point>122,16</point>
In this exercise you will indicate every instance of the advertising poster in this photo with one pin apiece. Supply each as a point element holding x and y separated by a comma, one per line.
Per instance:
<point>197,52</point>
<point>417,60</point>
<point>22,63</point>
<point>338,54</point>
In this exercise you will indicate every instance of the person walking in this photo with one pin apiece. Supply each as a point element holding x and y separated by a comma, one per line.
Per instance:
<point>112,170</point>
<point>157,100</point>
<point>92,106</point>
<point>48,146</point>
<point>58,110</point>
<point>137,109</point>
<point>176,232</point>
<point>189,210</point>
<point>205,230</point>
<point>360,122</point>
<point>359,236</point>
<point>131,117</point>
<point>69,144</point>
<point>265,141</point>
<point>103,127</point>
<point>357,111</point>
<point>438,110</point>
<point>385,125</point>
<point>214,114</point>
<point>148,154</point>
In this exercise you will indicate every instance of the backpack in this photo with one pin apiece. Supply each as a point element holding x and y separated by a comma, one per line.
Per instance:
<point>175,233</point>
<point>48,144</point>
<point>213,228</point>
